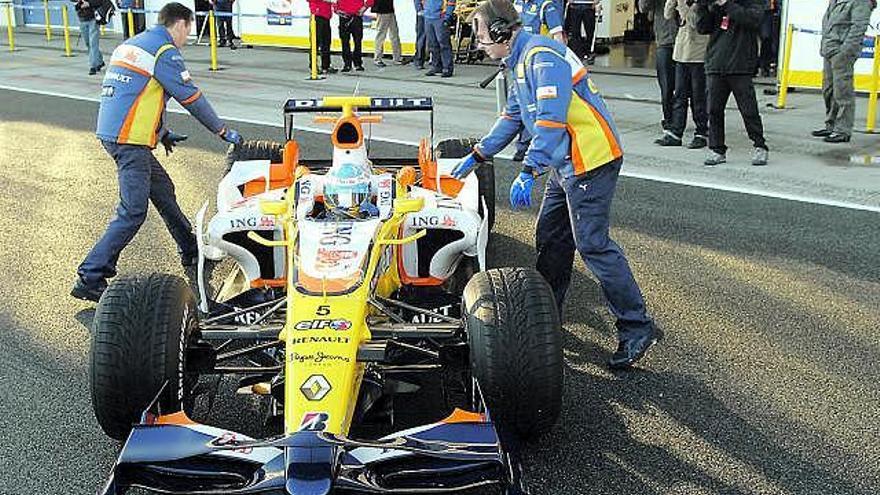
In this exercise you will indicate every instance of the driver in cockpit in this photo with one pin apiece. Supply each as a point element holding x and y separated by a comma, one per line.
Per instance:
<point>347,192</point>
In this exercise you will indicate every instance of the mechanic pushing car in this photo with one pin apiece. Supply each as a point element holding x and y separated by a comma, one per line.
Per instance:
<point>575,140</point>
<point>144,73</point>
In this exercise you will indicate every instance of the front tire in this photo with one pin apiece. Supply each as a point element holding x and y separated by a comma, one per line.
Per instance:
<point>515,341</point>
<point>254,150</point>
<point>142,328</point>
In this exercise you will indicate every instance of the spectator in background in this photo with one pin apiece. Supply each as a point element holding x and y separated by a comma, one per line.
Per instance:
<point>581,15</point>
<point>731,58</point>
<point>351,29</point>
<point>541,17</point>
<point>89,30</point>
<point>664,35</point>
<point>323,11</point>
<point>386,23</point>
<point>138,19</point>
<point>421,53</point>
<point>223,15</point>
<point>770,38</point>
<point>843,29</point>
<point>438,22</point>
<point>690,76</point>
<point>202,7</point>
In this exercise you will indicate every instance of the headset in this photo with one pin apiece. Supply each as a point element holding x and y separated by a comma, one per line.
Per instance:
<point>500,30</point>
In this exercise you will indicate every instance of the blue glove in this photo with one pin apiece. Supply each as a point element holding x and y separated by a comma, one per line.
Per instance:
<point>231,136</point>
<point>521,191</point>
<point>466,166</point>
<point>170,140</point>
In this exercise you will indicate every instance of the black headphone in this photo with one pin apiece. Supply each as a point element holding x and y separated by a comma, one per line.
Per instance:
<point>500,30</point>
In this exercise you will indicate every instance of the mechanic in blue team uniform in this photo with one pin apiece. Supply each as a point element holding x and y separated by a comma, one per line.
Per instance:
<point>144,73</point>
<point>538,17</point>
<point>575,140</point>
<point>439,18</point>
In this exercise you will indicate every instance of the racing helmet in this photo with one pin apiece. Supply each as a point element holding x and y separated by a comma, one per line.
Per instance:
<point>346,186</point>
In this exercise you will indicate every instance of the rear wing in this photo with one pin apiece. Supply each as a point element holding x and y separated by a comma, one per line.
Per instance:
<point>349,104</point>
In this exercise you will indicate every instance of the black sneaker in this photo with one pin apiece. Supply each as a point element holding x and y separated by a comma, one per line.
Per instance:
<point>446,74</point>
<point>380,64</point>
<point>99,67</point>
<point>328,70</point>
<point>86,292</point>
<point>668,140</point>
<point>93,71</point>
<point>359,68</point>
<point>699,142</point>
<point>347,68</point>
<point>837,137</point>
<point>821,133</point>
<point>432,72</point>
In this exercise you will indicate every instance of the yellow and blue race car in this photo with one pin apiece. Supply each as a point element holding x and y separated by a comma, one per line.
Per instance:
<point>359,312</point>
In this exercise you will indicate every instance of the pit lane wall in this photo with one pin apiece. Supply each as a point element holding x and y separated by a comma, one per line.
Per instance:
<point>806,63</point>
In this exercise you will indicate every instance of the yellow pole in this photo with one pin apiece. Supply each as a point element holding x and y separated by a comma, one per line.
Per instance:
<point>212,30</point>
<point>102,29</point>
<point>872,100</point>
<point>130,17</point>
<point>46,18</point>
<point>10,33</point>
<point>786,67</point>
<point>313,51</point>
<point>67,52</point>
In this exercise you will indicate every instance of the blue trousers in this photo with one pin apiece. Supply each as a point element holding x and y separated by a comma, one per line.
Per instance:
<point>440,44</point>
<point>141,180</point>
<point>575,215</point>
<point>91,35</point>
<point>421,54</point>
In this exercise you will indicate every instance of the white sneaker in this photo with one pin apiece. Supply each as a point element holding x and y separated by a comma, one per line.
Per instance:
<point>759,157</point>
<point>715,159</point>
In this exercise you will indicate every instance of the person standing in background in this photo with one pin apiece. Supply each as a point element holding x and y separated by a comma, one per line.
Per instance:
<point>90,32</point>
<point>386,21</point>
<point>438,21</point>
<point>843,29</point>
<point>690,76</point>
<point>581,15</point>
<point>138,19</point>
<point>731,58</point>
<point>770,38</point>
<point>351,31</point>
<point>322,10</point>
<point>665,31</point>
<point>202,7</point>
<point>421,53</point>
<point>223,14</point>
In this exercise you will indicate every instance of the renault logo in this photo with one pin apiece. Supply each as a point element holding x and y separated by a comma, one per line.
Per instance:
<point>315,388</point>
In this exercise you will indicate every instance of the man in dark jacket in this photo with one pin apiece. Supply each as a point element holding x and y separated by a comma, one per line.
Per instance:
<point>90,32</point>
<point>665,31</point>
<point>731,60</point>
<point>843,29</point>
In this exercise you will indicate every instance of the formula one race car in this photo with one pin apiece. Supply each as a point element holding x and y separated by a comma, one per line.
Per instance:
<point>359,314</point>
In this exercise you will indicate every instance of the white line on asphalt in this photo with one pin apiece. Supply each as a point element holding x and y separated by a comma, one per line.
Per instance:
<point>636,175</point>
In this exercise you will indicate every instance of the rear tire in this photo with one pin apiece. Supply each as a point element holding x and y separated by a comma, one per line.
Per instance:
<point>142,328</point>
<point>515,342</point>
<point>460,148</point>
<point>254,150</point>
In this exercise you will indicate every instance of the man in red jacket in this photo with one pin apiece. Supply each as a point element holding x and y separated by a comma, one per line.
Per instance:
<point>323,11</point>
<point>351,27</point>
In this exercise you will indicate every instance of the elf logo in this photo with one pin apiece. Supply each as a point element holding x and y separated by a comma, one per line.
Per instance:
<point>338,325</point>
<point>314,421</point>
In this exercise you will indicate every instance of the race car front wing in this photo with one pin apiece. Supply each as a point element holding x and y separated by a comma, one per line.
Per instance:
<point>173,455</point>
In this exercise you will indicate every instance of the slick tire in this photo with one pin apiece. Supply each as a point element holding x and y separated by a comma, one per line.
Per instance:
<point>515,340</point>
<point>253,150</point>
<point>142,328</point>
<point>459,148</point>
